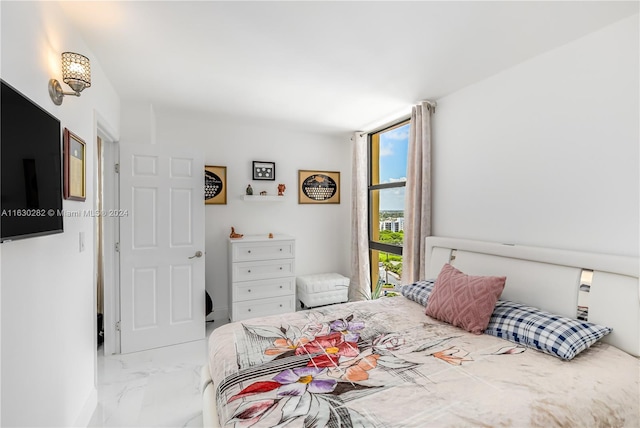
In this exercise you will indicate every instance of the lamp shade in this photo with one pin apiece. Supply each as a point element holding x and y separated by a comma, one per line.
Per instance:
<point>76,71</point>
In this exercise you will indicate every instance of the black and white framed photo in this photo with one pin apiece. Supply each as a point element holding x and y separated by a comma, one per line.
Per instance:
<point>264,170</point>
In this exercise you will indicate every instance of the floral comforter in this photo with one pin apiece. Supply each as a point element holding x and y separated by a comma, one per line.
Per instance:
<point>383,363</point>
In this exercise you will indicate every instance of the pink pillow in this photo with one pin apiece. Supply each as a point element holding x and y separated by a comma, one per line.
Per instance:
<point>463,300</point>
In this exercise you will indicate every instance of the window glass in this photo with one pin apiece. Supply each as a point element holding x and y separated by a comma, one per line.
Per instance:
<point>393,156</point>
<point>388,172</point>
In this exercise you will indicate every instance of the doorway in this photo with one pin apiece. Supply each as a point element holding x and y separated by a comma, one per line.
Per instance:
<point>107,230</point>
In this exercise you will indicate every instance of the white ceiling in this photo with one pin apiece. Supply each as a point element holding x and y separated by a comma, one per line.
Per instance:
<point>326,66</point>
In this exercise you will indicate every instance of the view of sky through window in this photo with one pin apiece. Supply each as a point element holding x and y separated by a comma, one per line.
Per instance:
<point>393,166</point>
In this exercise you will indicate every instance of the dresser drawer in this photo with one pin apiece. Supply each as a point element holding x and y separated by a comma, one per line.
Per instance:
<point>264,288</point>
<point>247,251</point>
<point>265,269</point>
<point>263,307</point>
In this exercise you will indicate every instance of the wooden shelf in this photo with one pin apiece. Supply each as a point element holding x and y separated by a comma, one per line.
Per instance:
<point>267,198</point>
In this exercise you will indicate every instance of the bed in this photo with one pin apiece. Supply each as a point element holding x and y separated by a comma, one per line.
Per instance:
<point>384,363</point>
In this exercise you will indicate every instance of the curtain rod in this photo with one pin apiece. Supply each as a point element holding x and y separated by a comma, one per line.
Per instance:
<point>431,106</point>
<point>386,125</point>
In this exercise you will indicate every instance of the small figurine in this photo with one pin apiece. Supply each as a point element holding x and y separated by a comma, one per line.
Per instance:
<point>235,235</point>
<point>263,193</point>
<point>281,189</point>
<point>271,236</point>
<point>249,190</point>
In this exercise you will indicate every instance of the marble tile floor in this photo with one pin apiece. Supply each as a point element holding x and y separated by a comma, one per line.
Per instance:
<point>155,388</point>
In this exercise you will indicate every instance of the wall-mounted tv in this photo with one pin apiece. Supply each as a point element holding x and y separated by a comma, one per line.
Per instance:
<point>30,158</point>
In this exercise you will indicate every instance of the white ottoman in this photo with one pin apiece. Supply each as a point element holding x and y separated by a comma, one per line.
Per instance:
<point>322,289</point>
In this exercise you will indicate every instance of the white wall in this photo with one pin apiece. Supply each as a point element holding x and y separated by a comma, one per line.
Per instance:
<point>48,288</point>
<point>322,231</point>
<point>546,153</point>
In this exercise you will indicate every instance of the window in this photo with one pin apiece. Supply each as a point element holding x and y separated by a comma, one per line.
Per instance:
<point>387,181</point>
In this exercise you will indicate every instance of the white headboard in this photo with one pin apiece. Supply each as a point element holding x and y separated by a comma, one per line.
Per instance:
<point>550,279</point>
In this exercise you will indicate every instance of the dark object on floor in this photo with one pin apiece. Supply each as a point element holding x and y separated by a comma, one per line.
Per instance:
<point>209,307</point>
<point>100,330</point>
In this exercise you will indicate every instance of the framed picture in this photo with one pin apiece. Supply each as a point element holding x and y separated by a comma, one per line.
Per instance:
<point>264,170</point>
<point>215,185</point>
<point>318,187</point>
<point>74,164</point>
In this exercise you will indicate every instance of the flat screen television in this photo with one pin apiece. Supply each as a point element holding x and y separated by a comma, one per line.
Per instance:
<point>30,158</point>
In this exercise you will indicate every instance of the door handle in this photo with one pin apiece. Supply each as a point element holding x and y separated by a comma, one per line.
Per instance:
<point>197,254</point>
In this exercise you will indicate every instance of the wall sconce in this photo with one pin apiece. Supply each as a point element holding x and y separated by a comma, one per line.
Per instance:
<point>76,72</point>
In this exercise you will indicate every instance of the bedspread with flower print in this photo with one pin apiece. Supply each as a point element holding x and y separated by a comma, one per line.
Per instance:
<point>386,364</point>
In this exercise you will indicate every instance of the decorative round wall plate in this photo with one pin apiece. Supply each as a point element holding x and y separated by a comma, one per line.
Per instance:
<point>212,185</point>
<point>215,184</point>
<point>319,187</point>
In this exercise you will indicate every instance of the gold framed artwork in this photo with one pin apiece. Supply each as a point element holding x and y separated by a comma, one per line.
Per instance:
<point>74,164</point>
<point>215,185</point>
<point>318,187</point>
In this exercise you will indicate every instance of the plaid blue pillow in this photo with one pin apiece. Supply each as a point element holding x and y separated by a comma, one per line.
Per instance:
<point>552,334</point>
<point>418,291</point>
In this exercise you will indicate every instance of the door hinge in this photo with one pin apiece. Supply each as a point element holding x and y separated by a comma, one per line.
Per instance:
<point>117,168</point>
<point>118,326</point>
<point>117,247</point>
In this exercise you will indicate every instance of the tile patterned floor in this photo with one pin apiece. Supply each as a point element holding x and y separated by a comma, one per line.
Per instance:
<point>155,388</point>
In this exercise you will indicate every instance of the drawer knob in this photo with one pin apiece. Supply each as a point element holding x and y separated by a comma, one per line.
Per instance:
<point>249,290</point>
<point>249,310</point>
<point>280,267</point>
<point>281,286</point>
<point>249,251</point>
<point>280,304</point>
<point>280,249</point>
<point>248,270</point>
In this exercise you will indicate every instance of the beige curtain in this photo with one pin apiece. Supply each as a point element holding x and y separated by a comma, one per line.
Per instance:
<point>417,210</point>
<point>360,286</point>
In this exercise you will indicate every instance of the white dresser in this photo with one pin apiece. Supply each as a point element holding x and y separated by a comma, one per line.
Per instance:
<point>261,276</point>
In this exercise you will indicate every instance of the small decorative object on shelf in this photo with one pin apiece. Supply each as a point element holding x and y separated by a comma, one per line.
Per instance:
<point>281,189</point>
<point>235,235</point>
<point>271,236</point>
<point>263,193</point>
<point>249,190</point>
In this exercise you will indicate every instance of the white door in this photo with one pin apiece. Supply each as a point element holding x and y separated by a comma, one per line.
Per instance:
<point>162,293</point>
